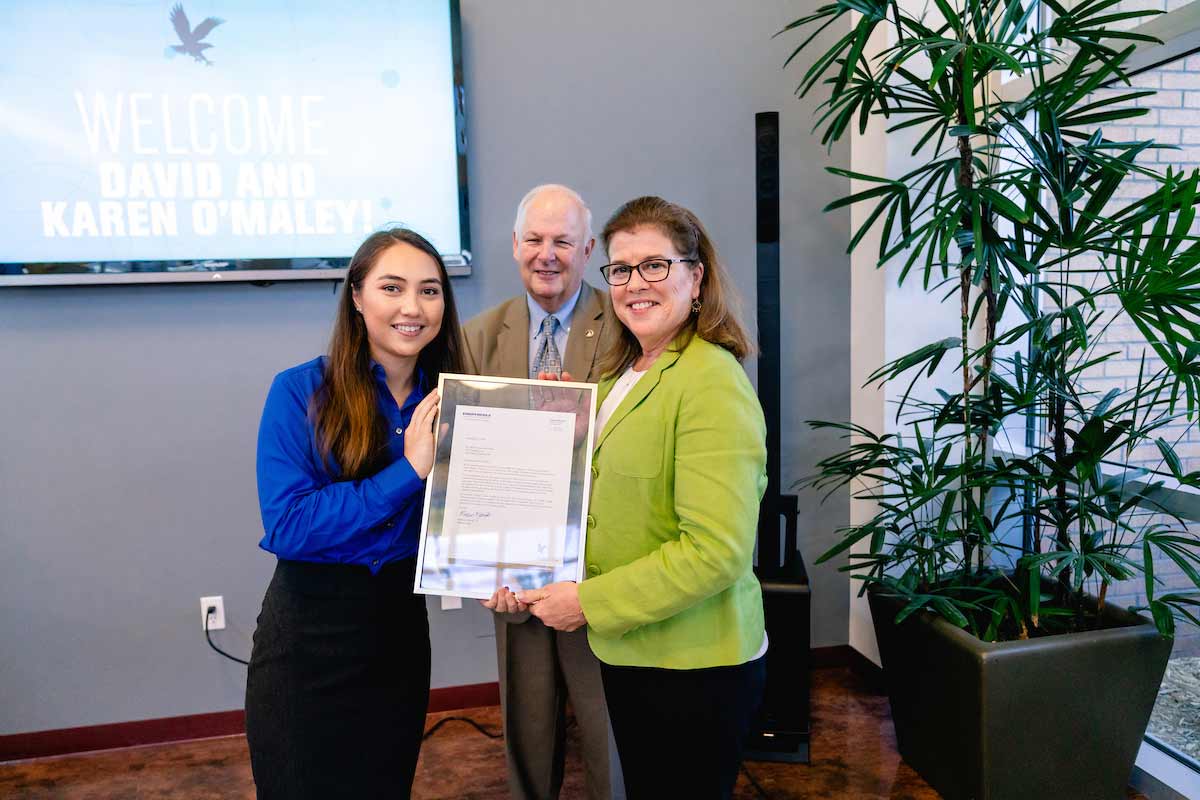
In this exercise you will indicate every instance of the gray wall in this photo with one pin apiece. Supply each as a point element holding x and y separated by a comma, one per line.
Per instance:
<point>129,413</point>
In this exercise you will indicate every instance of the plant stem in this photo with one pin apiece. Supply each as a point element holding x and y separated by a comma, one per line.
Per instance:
<point>1058,414</point>
<point>966,184</point>
<point>964,295</point>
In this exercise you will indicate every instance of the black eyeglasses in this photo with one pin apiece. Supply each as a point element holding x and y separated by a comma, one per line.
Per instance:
<point>652,270</point>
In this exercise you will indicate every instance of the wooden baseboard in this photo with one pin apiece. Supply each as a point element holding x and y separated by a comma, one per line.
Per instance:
<point>40,744</point>
<point>472,695</point>
<point>845,656</point>
<point>867,670</point>
<point>839,655</point>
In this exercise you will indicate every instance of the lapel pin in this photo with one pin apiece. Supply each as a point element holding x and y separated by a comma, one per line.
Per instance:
<point>589,333</point>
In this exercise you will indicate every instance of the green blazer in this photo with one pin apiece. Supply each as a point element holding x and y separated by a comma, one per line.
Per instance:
<point>677,476</point>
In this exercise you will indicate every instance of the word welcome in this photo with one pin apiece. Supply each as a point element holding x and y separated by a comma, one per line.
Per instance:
<point>200,124</point>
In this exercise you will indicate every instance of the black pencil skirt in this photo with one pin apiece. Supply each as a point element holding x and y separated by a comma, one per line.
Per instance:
<point>680,732</point>
<point>338,683</point>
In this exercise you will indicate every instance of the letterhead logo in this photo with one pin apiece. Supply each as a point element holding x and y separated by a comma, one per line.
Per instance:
<point>191,42</point>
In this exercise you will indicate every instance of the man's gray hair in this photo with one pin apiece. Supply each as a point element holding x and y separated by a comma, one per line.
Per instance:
<point>557,188</point>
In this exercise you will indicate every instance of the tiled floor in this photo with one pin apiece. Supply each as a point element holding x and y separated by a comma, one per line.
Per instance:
<point>854,756</point>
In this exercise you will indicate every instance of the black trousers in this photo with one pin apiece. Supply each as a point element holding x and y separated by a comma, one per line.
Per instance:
<point>338,684</point>
<point>680,733</point>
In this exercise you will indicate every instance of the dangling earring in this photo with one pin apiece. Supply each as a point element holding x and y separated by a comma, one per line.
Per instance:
<point>358,309</point>
<point>696,306</point>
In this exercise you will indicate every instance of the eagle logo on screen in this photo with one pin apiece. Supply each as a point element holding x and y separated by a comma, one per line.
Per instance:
<point>192,41</point>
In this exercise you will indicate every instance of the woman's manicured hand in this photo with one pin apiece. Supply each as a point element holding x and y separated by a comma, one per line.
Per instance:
<point>504,601</point>
<point>418,439</point>
<point>557,605</point>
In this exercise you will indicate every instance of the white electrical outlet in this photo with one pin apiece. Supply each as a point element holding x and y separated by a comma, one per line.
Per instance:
<point>217,621</point>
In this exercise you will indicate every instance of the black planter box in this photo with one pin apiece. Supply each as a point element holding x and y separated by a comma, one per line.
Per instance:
<point>1056,717</point>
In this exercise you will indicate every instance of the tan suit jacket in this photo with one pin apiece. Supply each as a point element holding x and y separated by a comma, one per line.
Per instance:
<point>497,343</point>
<point>497,340</point>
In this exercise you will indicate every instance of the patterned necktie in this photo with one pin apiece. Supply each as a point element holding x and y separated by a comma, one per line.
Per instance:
<point>548,358</point>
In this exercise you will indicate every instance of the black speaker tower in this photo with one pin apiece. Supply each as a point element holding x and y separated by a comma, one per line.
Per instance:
<point>781,728</point>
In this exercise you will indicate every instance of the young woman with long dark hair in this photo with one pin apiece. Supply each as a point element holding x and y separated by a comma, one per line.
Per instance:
<point>338,682</point>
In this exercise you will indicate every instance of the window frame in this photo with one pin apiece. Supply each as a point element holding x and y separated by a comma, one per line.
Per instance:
<point>1179,33</point>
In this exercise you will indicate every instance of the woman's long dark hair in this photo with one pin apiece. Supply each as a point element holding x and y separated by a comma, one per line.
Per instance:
<point>352,433</point>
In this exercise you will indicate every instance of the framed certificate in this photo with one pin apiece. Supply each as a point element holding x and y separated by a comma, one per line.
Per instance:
<point>506,501</point>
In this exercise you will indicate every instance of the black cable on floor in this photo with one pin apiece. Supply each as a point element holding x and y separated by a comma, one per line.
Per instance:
<point>208,613</point>
<point>754,783</point>
<point>467,720</point>
<point>428,733</point>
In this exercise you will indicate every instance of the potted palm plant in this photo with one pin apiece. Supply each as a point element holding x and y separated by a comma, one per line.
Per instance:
<point>1010,504</point>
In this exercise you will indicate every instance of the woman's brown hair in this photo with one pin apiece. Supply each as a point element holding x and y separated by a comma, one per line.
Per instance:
<point>717,320</point>
<point>352,431</point>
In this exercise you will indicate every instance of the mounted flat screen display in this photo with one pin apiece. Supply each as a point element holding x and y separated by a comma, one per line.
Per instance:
<point>210,140</point>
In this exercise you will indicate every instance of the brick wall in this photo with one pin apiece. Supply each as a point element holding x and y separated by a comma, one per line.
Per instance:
<point>1173,118</point>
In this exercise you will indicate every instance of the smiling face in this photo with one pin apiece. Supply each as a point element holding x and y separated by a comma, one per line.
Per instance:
<point>402,301</point>
<point>552,247</point>
<point>653,312</point>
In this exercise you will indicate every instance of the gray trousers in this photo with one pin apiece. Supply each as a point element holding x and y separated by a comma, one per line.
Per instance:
<point>539,669</point>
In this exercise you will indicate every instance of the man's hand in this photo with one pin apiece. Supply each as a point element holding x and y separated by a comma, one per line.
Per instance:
<point>569,400</point>
<point>557,605</point>
<point>553,399</point>
<point>504,601</point>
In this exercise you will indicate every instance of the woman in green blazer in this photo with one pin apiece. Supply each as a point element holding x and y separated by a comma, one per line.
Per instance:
<point>673,609</point>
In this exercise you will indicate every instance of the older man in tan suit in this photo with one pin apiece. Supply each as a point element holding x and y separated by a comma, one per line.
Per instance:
<point>556,326</point>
